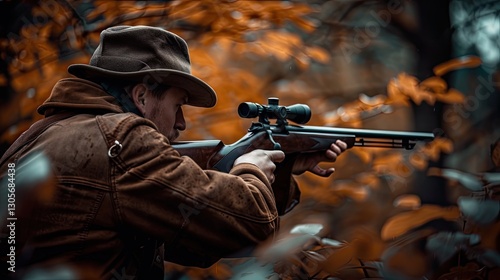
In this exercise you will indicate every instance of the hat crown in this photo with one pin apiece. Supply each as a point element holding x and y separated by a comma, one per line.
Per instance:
<point>147,55</point>
<point>136,48</point>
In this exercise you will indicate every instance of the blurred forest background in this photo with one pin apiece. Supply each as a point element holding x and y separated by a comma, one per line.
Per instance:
<point>428,213</point>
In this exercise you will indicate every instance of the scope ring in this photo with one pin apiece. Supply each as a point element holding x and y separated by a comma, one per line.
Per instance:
<point>115,149</point>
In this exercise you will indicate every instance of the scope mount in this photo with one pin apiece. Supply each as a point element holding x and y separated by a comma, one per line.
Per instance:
<point>298,113</point>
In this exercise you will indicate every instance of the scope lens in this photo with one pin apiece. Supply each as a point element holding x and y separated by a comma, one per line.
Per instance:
<point>298,113</point>
<point>248,110</point>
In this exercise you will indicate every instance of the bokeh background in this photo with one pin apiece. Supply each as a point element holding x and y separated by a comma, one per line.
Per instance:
<point>428,213</point>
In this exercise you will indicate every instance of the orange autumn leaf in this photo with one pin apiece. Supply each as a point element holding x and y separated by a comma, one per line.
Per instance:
<point>434,171</point>
<point>453,96</point>
<point>349,112</point>
<point>353,191</point>
<point>419,161</point>
<point>436,84</point>
<point>302,61</point>
<point>304,24</point>
<point>430,152</point>
<point>409,201</point>
<point>408,86</point>
<point>395,95</point>
<point>439,145</point>
<point>369,180</point>
<point>318,54</point>
<point>419,95</point>
<point>405,222</point>
<point>469,61</point>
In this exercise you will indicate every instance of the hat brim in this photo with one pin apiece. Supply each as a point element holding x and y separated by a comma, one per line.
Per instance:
<point>200,94</point>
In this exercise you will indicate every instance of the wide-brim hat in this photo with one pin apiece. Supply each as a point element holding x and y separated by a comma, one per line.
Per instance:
<point>145,54</point>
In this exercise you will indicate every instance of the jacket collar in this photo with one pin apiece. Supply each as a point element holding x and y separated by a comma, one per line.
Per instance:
<point>81,95</point>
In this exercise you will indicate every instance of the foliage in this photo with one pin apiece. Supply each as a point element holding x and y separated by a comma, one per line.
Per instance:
<point>366,222</point>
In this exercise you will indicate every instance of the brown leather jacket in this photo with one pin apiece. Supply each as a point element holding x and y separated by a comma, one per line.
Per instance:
<point>121,216</point>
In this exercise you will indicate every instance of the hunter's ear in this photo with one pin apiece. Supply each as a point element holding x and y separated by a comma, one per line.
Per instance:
<point>138,95</point>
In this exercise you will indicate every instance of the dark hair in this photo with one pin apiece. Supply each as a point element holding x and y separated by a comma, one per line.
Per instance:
<point>159,90</point>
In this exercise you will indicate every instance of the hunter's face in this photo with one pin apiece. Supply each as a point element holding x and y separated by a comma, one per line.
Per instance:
<point>166,112</point>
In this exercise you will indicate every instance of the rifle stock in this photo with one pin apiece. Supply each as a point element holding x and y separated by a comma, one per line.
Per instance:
<point>291,139</point>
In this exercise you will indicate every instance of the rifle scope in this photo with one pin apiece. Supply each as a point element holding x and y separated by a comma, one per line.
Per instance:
<point>298,113</point>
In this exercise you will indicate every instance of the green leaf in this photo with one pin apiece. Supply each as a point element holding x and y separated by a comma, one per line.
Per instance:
<point>311,229</point>
<point>444,245</point>
<point>469,181</point>
<point>480,211</point>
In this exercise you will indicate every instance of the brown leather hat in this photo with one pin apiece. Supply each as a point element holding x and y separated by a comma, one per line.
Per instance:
<point>145,54</point>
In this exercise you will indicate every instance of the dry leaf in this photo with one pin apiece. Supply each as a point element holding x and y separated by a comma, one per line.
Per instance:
<point>409,201</point>
<point>304,24</point>
<point>418,160</point>
<point>452,96</point>
<point>469,61</point>
<point>434,83</point>
<point>433,150</point>
<point>318,54</point>
<point>395,95</point>
<point>353,191</point>
<point>369,180</point>
<point>404,222</point>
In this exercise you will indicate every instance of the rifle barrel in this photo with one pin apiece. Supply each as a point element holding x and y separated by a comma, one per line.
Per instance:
<point>369,133</point>
<point>370,137</point>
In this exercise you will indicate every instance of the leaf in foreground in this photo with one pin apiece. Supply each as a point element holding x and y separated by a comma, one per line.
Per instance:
<point>404,222</point>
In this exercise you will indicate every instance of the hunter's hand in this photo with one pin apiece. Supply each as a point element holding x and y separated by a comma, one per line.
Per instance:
<point>264,159</point>
<point>309,161</point>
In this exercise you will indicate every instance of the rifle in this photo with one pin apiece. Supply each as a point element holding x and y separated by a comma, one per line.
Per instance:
<point>291,139</point>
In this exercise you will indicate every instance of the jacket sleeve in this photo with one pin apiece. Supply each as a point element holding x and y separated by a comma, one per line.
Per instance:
<point>201,215</point>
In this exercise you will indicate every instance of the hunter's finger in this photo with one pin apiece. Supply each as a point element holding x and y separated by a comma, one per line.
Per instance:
<point>322,172</point>
<point>271,178</point>
<point>336,149</point>
<point>275,156</point>
<point>331,155</point>
<point>341,144</point>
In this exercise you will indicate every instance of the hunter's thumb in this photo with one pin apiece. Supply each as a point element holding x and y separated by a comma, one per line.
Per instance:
<point>276,156</point>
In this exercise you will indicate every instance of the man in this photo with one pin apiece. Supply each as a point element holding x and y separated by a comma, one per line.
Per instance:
<point>125,199</point>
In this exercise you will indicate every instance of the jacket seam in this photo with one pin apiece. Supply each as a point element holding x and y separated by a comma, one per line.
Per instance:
<point>89,219</point>
<point>207,202</point>
<point>77,180</point>
<point>112,180</point>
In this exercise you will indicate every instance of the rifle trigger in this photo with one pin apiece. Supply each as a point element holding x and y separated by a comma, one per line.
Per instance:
<point>276,145</point>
